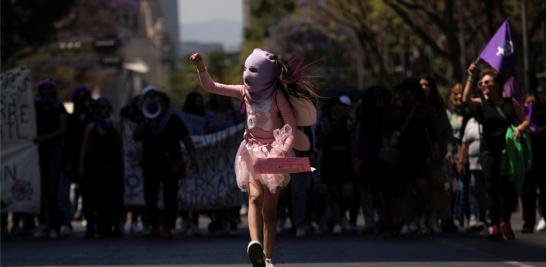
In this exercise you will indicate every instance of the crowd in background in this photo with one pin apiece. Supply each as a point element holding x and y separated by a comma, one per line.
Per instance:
<point>404,158</point>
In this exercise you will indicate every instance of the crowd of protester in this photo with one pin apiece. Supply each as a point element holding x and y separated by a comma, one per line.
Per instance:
<point>398,161</point>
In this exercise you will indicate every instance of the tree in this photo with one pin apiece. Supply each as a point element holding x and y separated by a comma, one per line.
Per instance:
<point>28,24</point>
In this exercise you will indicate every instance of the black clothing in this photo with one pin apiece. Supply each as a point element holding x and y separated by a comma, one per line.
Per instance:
<point>159,151</point>
<point>102,185</point>
<point>336,160</point>
<point>501,191</point>
<point>51,162</point>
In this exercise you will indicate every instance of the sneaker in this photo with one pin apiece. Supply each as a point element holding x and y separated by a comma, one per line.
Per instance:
<point>541,225</point>
<point>66,231</point>
<point>507,233</point>
<point>473,221</point>
<point>280,227</point>
<point>414,226</point>
<point>255,253</point>
<point>40,232</point>
<point>243,211</point>
<point>493,233</point>
<point>337,229</point>
<point>53,234</point>
<point>404,231</point>
<point>300,232</point>
<point>434,228</point>
<point>185,229</point>
<point>269,262</point>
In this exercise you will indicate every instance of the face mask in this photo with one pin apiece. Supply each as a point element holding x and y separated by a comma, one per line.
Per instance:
<point>48,97</point>
<point>259,75</point>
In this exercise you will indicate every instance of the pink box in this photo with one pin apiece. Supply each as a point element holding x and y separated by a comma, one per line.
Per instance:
<point>282,165</point>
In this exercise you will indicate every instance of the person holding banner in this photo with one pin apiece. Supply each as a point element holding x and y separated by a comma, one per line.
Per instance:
<point>269,83</point>
<point>496,114</point>
<point>51,117</point>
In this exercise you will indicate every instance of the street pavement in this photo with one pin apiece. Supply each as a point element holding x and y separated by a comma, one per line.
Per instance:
<point>458,249</point>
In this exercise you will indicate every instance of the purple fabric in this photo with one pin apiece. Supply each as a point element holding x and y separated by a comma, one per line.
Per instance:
<point>80,88</point>
<point>499,52</point>
<point>529,115</point>
<point>46,81</point>
<point>511,89</point>
<point>260,84</point>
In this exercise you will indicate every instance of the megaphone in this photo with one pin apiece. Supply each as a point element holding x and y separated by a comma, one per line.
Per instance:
<point>151,108</point>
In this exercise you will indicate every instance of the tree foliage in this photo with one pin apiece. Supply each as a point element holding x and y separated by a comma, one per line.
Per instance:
<point>28,24</point>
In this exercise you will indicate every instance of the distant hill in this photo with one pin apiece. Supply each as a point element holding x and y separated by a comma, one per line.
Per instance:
<point>228,33</point>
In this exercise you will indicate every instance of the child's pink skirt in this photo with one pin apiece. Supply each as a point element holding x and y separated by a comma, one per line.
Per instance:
<point>251,149</point>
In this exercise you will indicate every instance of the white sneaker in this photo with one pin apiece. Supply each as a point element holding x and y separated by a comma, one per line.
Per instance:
<point>472,222</point>
<point>300,232</point>
<point>404,230</point>
<point>423,228</point>
<point>255,253</point>
<point>269,262</point>
<point>337,229</point>
<point>541,225</point>
<point>434,228</point>
<point>243,211</point>
<point>413,227</point>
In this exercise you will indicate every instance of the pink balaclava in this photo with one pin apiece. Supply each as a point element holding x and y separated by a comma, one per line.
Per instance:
<point>259,75</point>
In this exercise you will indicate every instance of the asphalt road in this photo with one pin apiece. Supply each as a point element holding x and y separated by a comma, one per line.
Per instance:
<point>458,249</point>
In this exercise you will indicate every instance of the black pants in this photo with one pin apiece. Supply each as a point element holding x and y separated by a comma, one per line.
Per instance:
<point>51,164</point>
<point>152,180</point>
<point>535,178</point>
<point>102,201</point>
<point>501,191</point>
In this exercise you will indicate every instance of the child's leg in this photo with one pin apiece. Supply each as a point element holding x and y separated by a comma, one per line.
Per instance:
<point>270,221</point>
<point>255,204</point>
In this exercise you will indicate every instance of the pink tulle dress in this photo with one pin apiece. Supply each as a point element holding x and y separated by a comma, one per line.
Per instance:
<point>268,133</point>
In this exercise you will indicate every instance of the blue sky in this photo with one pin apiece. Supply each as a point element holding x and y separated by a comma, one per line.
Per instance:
<point>211,21</point>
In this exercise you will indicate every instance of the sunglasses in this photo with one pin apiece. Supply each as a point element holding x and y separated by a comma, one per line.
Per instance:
<point>485,83</point>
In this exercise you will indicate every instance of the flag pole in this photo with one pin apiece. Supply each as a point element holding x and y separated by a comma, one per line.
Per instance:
<point>525,41</point>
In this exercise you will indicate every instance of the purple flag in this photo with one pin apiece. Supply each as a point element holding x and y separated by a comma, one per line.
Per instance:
<point>512,89</point>
<point>499,52</point>
<point>529,115</point>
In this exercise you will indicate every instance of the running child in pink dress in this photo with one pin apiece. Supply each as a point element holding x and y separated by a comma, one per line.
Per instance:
<point>276,102</point>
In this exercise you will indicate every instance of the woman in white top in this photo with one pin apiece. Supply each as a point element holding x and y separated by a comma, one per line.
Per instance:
<point>470,152</point>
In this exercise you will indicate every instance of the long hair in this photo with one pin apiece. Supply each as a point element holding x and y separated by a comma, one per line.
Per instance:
<point>434,98</point>
<point>291,81</point>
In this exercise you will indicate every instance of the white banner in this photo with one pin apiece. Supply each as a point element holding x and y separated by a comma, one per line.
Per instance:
<point>132,157</point>
<point>20,174</point>
<point>214,186</point>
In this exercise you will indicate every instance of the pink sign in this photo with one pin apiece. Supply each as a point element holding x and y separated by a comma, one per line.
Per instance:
<point>282,165</point>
